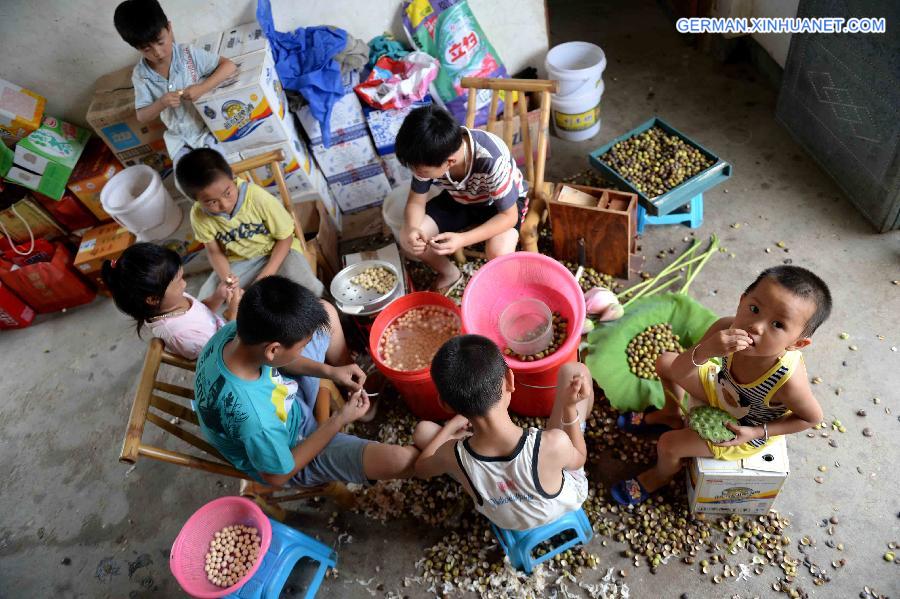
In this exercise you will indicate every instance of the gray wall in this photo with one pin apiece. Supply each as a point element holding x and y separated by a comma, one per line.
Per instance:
<point>58,48</point>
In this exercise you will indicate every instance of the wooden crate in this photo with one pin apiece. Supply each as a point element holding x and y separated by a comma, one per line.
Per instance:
<point>605,219</point>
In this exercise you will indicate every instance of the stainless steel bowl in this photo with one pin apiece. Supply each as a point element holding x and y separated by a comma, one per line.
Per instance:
<point>357,300</point>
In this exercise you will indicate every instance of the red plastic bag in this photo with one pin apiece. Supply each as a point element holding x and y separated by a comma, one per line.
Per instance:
<point>398,83</point>
<point>14,313</point>
<point>68,210</point>
<point>48,284</point>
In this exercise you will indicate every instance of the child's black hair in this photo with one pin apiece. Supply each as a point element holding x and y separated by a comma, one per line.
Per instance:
<point>142,272</point>
<point>140,22</point>
<point>276,309</point>
<point>802,283</point>
<point>468,371</point>
<point>428,137</point>
<point>199,168</point>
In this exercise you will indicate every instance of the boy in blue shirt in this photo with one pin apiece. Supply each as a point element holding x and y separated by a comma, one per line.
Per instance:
<point>261,421</point>
<point>169,76</point>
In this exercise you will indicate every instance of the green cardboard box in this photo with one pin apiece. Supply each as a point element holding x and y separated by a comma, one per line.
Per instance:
<point>44,160</point>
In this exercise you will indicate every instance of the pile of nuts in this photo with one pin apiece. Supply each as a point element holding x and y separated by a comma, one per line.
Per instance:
<point>655,532</point>
<point>560,334</point>
<point>592,278</point>
<point>655,161</point>
<point>232,552</point>
<point>377,277</point>
<point>646,347</point>
<point>410,341</point>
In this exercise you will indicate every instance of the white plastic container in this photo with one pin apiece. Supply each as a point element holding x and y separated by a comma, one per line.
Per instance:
<point>136,199</point>
<point>577,118</point>
<point>578,66</point>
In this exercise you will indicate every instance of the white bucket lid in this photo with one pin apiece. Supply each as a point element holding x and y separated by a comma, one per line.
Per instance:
<point>575,60</point>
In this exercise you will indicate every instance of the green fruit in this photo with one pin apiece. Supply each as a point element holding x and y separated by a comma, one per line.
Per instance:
<point>709,422</point>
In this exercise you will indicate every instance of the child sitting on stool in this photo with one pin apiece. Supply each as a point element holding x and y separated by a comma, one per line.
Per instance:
<point>247,233</point>
<point>482,189</point>
<point>762,380</point>
<point>519,478</point>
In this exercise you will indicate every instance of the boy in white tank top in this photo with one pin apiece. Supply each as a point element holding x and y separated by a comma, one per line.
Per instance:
<point>518,478</point>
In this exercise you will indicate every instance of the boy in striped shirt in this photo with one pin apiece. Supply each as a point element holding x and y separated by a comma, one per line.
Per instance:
<point>482,191</point>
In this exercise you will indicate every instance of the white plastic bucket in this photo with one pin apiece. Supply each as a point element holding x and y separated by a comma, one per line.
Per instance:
<point>578,66</point>
<point>136,199</point>
<point>576,118</point>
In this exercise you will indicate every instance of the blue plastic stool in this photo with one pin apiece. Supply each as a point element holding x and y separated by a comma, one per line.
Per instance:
<point>693,216</point>
<point>518,544</point>
<point>287,548</point>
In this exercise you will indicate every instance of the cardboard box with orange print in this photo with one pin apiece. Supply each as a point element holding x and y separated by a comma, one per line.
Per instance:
<point>747,486</point>
<point>21,111</point>
<point>106,242</point>
<point>97,166</point>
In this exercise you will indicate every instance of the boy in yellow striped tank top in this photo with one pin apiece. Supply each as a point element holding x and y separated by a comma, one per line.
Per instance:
<point>762,380</point>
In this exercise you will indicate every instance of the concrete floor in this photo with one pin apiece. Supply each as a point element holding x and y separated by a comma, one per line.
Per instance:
<point>76,523</point>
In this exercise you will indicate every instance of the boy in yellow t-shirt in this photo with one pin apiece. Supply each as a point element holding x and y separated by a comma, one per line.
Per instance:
<point>247,232</point>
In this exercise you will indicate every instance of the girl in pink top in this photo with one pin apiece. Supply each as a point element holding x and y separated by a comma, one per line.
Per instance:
<point>147,283</point>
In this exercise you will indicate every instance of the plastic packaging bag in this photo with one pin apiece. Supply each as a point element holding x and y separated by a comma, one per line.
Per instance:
<point>448,31</point>
<point>398,83</point>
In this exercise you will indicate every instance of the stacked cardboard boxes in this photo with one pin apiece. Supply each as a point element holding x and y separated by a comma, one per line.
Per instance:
<point>44,160</point>
<point>248,115</point>
<point>21,112</point>
<point>112,116</point>
<point>355,174</point>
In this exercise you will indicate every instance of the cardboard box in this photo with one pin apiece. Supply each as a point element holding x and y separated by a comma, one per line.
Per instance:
<point>105,242</point>
<point>249,109</point>
<point>397,174</point>
<point>385,124</point>
<point>352,152</point>
<point>21,111</point>
<point>97,166</point>
<point>303,177</point>
<point>243,39</point>
<point>44,160</point>
<point>112,116</point>
<point>747,486</point>
<point>209,42</point>
<point>362,222</point>
<point>359,188</point>
<point>347,119</point>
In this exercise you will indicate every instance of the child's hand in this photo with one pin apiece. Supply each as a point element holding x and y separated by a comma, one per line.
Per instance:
<point>171,100</point>
<point>727,342</point>
<point>417,241</point>
<point>458,426</point>
<point>232,280</point>
<point>579,389</point>
<point>355,407</point>
<point>234,299</point>
<point>350,376</point>
<point>192,92</point>
<point>742,434</point>
<point>446,243</point>
<point>222,292</point>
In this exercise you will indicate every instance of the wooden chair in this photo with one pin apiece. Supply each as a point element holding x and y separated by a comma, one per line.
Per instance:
<point>167,405</point>
<point>539,191</point>
<point>273,160</point>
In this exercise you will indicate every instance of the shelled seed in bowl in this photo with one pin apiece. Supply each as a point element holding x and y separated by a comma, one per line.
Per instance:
<point>376,277</point>
<point>232,553</point>
<point>410,342</point>
<point>560,334</point>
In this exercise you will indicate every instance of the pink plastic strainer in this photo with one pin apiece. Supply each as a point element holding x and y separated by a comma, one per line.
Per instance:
<point>187,561</point>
